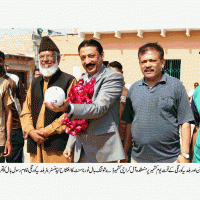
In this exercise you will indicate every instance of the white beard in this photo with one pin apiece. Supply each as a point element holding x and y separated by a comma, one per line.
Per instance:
<point>47,72</point>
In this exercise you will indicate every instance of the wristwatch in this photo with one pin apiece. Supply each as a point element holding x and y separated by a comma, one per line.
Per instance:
<point>185,155</point>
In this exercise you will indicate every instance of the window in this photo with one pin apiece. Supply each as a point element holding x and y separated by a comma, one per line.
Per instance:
<point>173,67</point>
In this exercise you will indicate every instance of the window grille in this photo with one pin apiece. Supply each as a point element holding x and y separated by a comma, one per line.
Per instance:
<point>173,67</point>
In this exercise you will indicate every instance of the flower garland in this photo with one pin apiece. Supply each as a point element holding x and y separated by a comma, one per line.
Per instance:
<point>79,94</point>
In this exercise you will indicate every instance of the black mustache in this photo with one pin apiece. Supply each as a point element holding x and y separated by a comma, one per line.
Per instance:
<point>90,64</point>
<point>146,70</point>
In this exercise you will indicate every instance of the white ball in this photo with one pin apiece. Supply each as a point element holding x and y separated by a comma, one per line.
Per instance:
<point>55,95</point>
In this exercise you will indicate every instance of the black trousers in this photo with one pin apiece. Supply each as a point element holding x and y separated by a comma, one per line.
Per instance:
<point>2,159</point>
<point>17,144</point>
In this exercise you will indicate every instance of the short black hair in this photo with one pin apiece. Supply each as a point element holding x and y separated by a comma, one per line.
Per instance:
<point>115,64</point>
<point>151,46</point>
<point>2,55</point>
<point>91,42</point>
<point>36,70</point>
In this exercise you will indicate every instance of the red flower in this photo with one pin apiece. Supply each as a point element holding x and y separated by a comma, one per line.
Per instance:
<point>80,82</point>
<point>78,129</point>
<point>74,123</point>
<point>93,80</point>
<point>85,125</point>
<point>69,101</point>
<point>88,100</point>
<point>67,130</point>
<point>79,94</point>
<point>73,133</point>
<point>65,120</point>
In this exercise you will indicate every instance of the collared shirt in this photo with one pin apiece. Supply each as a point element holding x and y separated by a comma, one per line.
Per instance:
<point>94,76</point>
<point>155,114</point>
<point>5,100</point>
<point>18,95</point>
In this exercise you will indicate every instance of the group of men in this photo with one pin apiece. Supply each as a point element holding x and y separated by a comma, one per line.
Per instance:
<point>145,118</point>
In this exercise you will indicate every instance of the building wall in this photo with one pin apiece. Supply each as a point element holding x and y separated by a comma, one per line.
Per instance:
<point>17,44</point>
<point>25,65</point>
<point>68,46</point>
<point>19,51</point>
<point>176,46</point>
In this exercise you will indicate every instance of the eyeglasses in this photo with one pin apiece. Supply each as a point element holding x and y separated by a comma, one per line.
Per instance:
<point>48,56</point>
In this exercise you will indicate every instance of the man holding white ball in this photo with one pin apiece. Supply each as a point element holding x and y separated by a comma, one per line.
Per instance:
<point>43,127</point>
<point>101,141</point>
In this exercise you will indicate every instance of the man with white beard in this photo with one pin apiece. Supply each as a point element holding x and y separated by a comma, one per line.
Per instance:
<point>45,132</point>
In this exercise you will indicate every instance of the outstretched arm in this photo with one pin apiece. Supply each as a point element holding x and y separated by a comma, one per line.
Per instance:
<point>109,91</point>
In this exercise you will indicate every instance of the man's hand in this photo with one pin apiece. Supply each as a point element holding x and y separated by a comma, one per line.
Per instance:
<point>55,108</point>
<point>43,132</point>
<point>67,152</point>
<point>182,159</point>
<point>37,136</point>
<point>8,149</point>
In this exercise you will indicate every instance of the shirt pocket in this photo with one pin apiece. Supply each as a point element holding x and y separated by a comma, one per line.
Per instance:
<point>165,104</point>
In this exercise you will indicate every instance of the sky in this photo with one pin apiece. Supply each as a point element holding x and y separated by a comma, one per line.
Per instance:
<point>99,15</point>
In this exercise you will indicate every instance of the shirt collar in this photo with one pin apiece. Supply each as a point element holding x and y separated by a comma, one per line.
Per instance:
<point>94,76</point>
<point>163,80</point>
